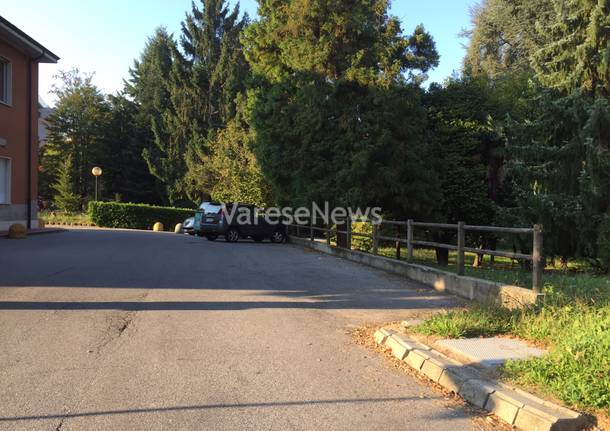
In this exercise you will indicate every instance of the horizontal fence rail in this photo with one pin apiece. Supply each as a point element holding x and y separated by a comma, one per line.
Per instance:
<point>536,258</point>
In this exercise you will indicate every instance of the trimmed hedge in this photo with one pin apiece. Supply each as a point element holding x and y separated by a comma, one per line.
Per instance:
<point>136,216</point>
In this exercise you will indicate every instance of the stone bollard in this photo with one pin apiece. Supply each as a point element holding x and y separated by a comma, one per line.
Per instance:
<point>158,227</point>
<point>178,228</point>
<point>17,231</point>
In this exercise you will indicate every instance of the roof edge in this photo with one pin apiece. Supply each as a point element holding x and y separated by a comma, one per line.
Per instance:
<point>44,55</point>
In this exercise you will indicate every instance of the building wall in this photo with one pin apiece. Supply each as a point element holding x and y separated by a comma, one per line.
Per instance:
<point>14,130</point>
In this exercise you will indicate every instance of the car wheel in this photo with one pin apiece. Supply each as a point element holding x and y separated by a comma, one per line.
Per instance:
<point>278,237</point>
<point>211,237</point>
<point>232,235</point>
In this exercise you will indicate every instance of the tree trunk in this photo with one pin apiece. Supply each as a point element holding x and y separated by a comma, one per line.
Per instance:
<point>442,256</point>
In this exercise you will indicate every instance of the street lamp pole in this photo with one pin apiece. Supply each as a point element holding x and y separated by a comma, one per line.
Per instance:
<point>96,171</point>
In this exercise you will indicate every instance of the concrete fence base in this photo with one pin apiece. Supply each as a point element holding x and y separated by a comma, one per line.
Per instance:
<point>466,287</point>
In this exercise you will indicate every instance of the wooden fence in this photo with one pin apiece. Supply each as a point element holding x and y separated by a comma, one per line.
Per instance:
<point>461,228</point>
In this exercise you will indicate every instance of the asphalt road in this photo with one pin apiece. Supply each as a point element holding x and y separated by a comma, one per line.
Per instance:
<point>123,330</point>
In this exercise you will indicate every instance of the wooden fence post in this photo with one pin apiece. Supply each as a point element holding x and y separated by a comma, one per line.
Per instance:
<point>311,235</point>
<point>398,242</point>
<point>538,263</point>
<point>410,240</point>
<point>375,238</point>
<point>348,227</point>
<point>461,239</point>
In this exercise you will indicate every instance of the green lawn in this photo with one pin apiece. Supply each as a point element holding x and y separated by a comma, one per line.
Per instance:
<point>573,323</point>
<point>502,270</point>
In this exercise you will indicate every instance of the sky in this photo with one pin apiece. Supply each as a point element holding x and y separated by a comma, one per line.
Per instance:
<point>105,36</point>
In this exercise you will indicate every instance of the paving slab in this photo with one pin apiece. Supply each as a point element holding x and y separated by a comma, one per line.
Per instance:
<point>490,352</point>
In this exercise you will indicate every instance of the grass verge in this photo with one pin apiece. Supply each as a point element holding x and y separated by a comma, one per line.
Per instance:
<point>573,323</point>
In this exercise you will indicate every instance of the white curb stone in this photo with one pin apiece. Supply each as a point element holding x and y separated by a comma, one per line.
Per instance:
<point>381,335</point>
<point>503,407</point>
<point>515,406</point>
<point>454,377</point>
<point>477,391</point>
<point>416,359</point>
<point>399,349</point>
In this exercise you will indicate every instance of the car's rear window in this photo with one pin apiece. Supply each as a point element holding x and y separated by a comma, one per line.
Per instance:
<point>210,208</point>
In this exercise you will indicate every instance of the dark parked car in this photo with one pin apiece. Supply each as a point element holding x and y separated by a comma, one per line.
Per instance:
<point>213,220</point>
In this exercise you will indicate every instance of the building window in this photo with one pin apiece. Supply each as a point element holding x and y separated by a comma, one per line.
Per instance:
<point>5,81</point>
<point>5,181</point>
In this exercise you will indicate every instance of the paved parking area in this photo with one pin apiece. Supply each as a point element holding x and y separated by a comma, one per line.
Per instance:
<point>134,330</point>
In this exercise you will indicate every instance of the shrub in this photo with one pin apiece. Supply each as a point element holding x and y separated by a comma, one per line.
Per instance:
<point>359,242</point>
<point>135,216</point>
<point>63,218</point>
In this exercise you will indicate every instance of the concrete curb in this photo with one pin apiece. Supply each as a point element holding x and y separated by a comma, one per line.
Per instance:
<point>470,288</point>
<point>516,407</point>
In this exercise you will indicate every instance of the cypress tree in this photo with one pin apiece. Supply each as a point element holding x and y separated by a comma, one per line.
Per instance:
<point>577,54</point>
<point>337,109</point>
<point>65,197</point>
<point>151,85</point>
<point>505,35</point>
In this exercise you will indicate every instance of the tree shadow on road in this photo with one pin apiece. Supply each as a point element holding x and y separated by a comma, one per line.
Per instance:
<point>203,407</point>
<point>213,274</point>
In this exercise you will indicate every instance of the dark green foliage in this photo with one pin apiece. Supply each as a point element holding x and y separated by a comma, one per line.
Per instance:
<point>217,69</point>
<point>78,129</point>
<point>136,216</point>
<point>556,127</point>
<point>463,125</point>
<point>163,142</point>
<point>126,173</point>
<point>576,55</point>
<point>560,166</point>
<point>346,144</point>
<point>336,40</point>
<point>336,109</point>
<point>186,96</point>
<point>96,130</point>
<point>215,73</point>
<point>65,199</point>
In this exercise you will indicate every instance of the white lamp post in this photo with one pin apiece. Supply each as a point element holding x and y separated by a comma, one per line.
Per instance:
<point>96,171</point>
